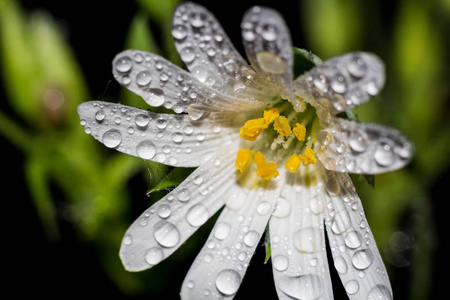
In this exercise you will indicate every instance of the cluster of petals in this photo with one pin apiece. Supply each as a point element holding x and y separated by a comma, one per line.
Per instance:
<point>211,104</point>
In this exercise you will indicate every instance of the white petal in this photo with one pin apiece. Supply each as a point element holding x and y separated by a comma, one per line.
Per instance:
<point>362,148</point>
<point>353,247</point>
<point>171,139</point>
<point>268,46</point>
<point>220,266</point>
<point>211,57</point>
<point>342,82</point>
<point>161,83</point>
<point>166,225</point>
<point>297,240</point>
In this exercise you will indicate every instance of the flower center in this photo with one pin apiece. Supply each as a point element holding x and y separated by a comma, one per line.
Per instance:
<point>272,135</point>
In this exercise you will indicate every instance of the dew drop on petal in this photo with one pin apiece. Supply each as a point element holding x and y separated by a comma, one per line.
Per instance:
<point>358,142</point>
<point>155,97</point>
<point>264,208</point>
<point>379,292</point>
<point>332,187</point>
<point>123,64</point>
<point>100,115</point>
<point>340,264</point>
<point>164,211</point>
<point>283,208</point>
<point>200,72</point>
<point>269,32</point>
<point>251,238</point>
<point>352,287</point>
<point>166,234</point>
<point>228,282</point>
<point>341,222</point>
<point>187,54</point>
<point>362,259</point>
<point>143,78</point>
<point>324,137</point>
<point>112,138</point>
<point>353,239</point>
<point>308,240</point>
<point>271,63</point>
<point>309,286</point>
<point>184,195</point>
<point>222,230</point>
<point>146,150</point>
<point>317,205</point>
<point>357,67</point>
<point>384,154</point>
<point>338,83</point>
<point>154,255</point>
<point>141,120</point>
<point>197,215</point>
<point>280,262</point>
<point>128,239</point>
<point>179,31</point>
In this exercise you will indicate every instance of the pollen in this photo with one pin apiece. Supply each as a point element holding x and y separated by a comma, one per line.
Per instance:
<point>299,131</point>
<point>293,163</point>
<point>266,170</point>
<point>308,158</point>
<point>281,125</point>
<point>252,129</point>
<point>271,114</point>
<point>243,159</point>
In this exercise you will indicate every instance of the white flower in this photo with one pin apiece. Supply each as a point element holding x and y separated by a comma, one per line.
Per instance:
<point>255,155</point>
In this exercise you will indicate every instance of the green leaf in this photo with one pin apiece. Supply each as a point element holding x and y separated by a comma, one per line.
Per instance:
<point>172,179</point>
<point>304,61</point>
<point>267,246</point>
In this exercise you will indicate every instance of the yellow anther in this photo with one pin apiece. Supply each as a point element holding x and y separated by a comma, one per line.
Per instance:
<point>299,131</point>
<point>271,114</point>
<point>293,163</point>
<point>243,159</point>
<point>252,129</point>
<point>308,158</point>
<point>265,170</point>
<point>281,125</point>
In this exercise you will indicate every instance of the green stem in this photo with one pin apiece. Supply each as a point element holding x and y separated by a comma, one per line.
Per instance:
<point>14,133</point>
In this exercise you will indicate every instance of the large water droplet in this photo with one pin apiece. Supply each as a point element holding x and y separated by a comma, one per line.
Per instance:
<point>357,67</point>
<point>251,238</point>
<point>200,72</point>
<point>187,54</point>
<point>166,234</point>
<point>155,97</point>
<point>179,31</point>
<point>271,63</point>
<point>320,81</point>
<point>100,115</point>
<point>280,262</point>
<point>362,259</point>
<point>197,215</point>
<point>197,20</point>
<point>184,195</point>
<point>340,264</point>
<point>228,282</point>
<point>269,32</point>
<point>141,120</point>
<point>222,230</point>
<point>112,138</point>
<point>177,137</point>
<point>352,287</point>
<point>308,240</point>
<point>341,222</point>
<point>332,187</point>
<point>317,204</point>
<point>154,255</point>
<point>123,64</point>
<point>308,286</point>
<point>143,78</point>
<point>353,239</point>
<point>264,208</point>
<point>164,211</point>
<point>384,154</point>
<point>324,137</point>
<point>358,142</point>
<point>283,208</point>
<point>146,150</point>
<point>338,83</point>
<point>379,292</point>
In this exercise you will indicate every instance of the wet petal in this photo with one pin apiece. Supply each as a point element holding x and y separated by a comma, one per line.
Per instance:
<point>342,82</point>
<point>161,83</point>
<point>211,57</point>
<point>268,46</point>
<point>362,148</point>
<point>352,244</point>
<point>297,240</point>
<point>162,228</point>
<point>171,139</point>
<point>220,266</point>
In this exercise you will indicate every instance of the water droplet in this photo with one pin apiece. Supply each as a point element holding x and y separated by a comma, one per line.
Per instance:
<point>141,120</point>
<point>200,72</point>
<point>164,211</point>
<point>197,20</point>
<point>194,112</point>
<point>187,54</point>
<point>179,31</point>
<point>271,63</point>
<point>353,239</point>
<point>358,142</point>
<point>184,195</point>
<point>341,222</point>
<point>352,287</point>
<point>197,215</point>
<point>154,255</point>
<point>283,208</point>
<point>308,240</point>
<point>372,88</point>
<point>198,179</point>
<point>280,262</point>
<point>248,32</point>
<point>338,83</point>
<point>143,78</point>
<point>309,286</point>
<point>228,282</point>
<point>188,129</point>
<point>324,137</point>
<point>100,115</point>
<point>317,204</point>
<point>251,238</point>
<point>123,64</point>
<point>264,208</point>
<point>384,154</point>
<point>332,187</point>
<point>362,259</point>
<point>112,138</point>
<point>269,32</point>
<point>380,292</point>
<point>155,97</point>
<point>190,284</point>
<point>161,123</point>
<point>177,137</point>
<point>200,136</point>
<point>320,81</point>
<point>128,239</point>
<point>357,67</point>
<point>166,234</point>
<point>222,230</point>
<point>146,150</point>
<point>340,264</point>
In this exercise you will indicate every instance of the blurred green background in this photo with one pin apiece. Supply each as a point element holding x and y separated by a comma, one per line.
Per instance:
<point>69,200</point>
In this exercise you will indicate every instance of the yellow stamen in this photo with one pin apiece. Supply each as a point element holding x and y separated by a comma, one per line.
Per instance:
<point>299,131</point>
<point>265,170</point>
<point>281,125</point>
<point>252,129</point>
<point>293,163</point>
<point>243,159</point>
<point>271,114</point>
<point>308,158</point>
